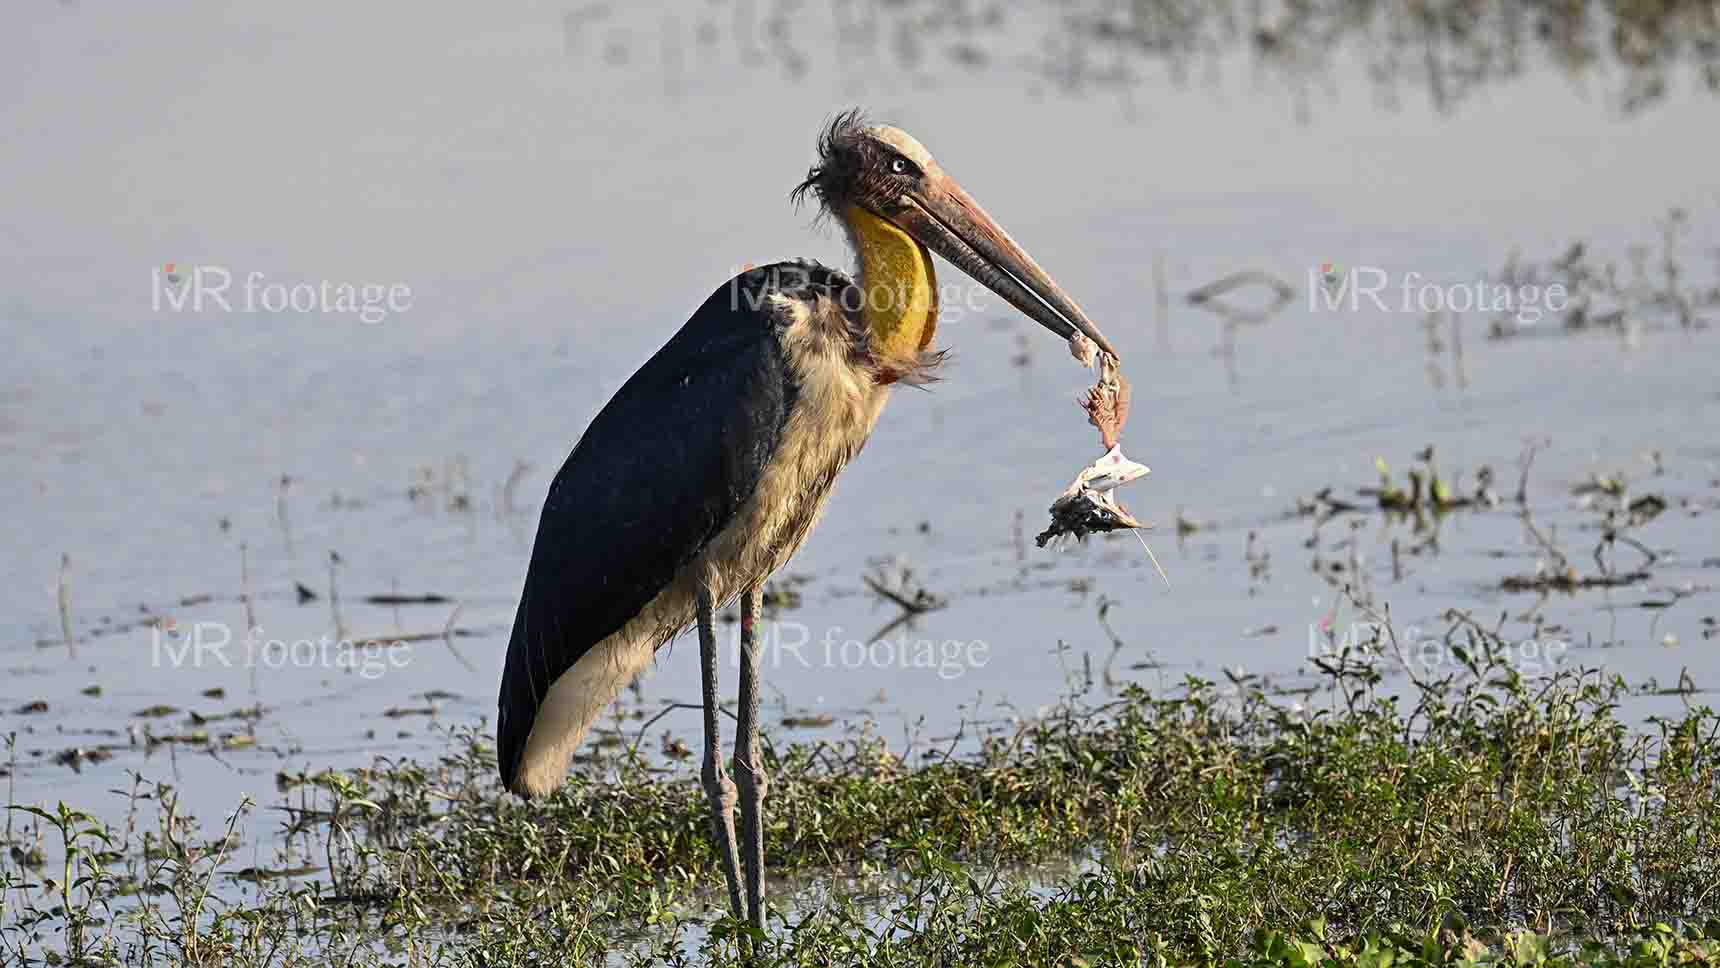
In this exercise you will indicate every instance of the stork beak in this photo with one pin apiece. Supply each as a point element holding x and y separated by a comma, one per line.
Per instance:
<point>947,220</point>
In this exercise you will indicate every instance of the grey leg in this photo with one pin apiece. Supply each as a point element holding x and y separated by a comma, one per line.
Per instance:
<point>749,763</point>
<point>718,787</point>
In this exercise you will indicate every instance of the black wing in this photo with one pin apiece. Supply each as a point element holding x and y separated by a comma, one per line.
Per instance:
<point>657,475</point>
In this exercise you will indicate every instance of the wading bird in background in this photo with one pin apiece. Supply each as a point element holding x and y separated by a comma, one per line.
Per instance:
<point>709,467</point>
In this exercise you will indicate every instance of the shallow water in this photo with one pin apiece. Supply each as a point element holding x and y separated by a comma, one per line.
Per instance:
<point>559,188</point>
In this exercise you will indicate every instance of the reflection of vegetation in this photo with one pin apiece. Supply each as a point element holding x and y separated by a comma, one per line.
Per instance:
<point>1656,289</point>
<point>1452,48</point>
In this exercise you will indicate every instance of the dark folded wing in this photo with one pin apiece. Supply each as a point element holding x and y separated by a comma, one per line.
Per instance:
<point>659,472</point>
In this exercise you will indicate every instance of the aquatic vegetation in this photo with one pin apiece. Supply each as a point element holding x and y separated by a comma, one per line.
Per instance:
<point>1484,817</point>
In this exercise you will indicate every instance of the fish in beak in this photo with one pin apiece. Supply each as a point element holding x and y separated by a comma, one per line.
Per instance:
<point>898,205</point>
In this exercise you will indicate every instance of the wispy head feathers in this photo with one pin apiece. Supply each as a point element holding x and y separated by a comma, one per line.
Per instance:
<point>841,158</point>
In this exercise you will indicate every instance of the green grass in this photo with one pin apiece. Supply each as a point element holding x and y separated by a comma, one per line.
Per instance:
<point>1483,818</point>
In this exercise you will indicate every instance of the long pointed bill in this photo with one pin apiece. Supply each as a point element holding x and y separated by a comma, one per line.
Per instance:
<point>949,222</point>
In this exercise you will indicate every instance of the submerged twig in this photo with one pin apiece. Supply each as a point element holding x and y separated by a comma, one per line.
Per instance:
<point>65,602</point>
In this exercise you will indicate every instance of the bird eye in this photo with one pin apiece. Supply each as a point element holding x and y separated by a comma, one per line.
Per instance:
<point>899,166</point>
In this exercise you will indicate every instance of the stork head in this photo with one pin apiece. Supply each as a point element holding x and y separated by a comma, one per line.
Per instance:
<point>884,172</point>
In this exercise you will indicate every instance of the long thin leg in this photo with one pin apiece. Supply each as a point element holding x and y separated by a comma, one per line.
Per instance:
<point>749,763</point>
<point>719,789</point>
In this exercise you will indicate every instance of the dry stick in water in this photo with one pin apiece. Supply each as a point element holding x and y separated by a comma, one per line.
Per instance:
<point>65,596</point>
<point>448,637</point>
<point>1161,301</point>
<point>334,598</point>
<point>1234,317</point>
<point>918,605</point>
<point>511,485</point>
<point>11,781</point>
<point>1527,461</point>
<point>1282,293</point>
<point>1457,351</point>
<point>250,611</point>
<point>922,602</point>
<point>245,587</point>
<point>281,512</point>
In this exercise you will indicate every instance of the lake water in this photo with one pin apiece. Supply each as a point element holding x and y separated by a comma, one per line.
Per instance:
<point>559,186</point>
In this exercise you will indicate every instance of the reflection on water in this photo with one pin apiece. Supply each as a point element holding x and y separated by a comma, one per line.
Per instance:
<point>1444,50</point>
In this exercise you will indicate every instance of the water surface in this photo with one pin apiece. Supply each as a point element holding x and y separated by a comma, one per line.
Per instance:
<point>560,186</point>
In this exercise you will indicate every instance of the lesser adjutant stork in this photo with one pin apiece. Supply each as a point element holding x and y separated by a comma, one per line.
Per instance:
<point>710,465</point>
